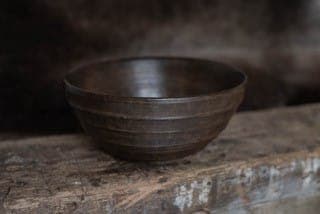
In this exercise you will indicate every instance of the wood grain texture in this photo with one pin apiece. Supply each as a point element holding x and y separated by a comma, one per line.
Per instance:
<point>261,157</point>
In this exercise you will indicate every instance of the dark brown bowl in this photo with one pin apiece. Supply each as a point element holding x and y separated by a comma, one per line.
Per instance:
<point>154,108</point>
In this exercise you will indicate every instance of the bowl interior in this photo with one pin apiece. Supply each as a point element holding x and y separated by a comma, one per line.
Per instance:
<point>155,77</point>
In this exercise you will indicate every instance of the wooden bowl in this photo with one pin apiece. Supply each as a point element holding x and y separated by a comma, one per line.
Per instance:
<point>154,108</point>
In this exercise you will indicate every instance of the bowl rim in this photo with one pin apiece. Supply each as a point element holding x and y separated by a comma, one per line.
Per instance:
<point>79,90</point>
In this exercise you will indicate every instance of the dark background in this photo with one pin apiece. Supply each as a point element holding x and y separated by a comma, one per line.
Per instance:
<point>275,42</point>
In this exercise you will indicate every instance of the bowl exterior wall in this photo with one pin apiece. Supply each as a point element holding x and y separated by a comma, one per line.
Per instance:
<point>154,129</point>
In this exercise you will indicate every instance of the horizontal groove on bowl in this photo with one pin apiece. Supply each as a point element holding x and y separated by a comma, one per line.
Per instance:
<point>153,140</point>
<point>159,149</point>
<point>211,126</point>
<point>154,126</point>
<point>116,115</point>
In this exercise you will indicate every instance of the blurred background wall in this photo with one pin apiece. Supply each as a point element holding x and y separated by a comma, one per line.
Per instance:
<point>277,43</point>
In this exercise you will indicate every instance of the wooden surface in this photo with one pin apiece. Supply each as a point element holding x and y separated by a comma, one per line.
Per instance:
<point>262,157</point>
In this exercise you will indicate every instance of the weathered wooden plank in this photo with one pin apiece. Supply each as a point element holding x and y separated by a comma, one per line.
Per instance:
<point>261,157</point>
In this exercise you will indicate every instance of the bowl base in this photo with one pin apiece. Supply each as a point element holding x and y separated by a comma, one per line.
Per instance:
<point>163,154</point>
